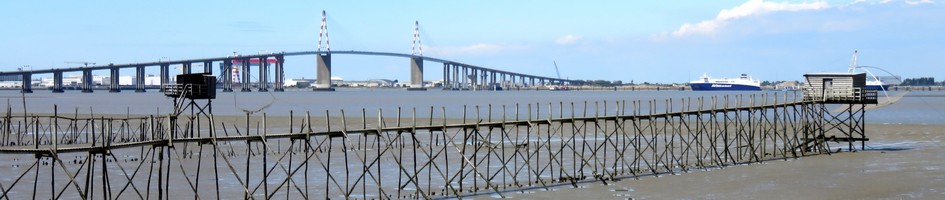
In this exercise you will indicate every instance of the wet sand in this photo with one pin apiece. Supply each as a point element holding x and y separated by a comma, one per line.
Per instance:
<point>901,162</point>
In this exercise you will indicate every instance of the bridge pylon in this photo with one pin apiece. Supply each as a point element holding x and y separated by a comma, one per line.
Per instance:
<point>416,61</point>
<point>323,59</point>
<point>323,72</point>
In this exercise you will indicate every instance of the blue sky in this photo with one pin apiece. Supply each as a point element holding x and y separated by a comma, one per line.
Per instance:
<point>642,41</point>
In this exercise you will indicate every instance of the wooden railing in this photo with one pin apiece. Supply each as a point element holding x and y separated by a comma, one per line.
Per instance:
<point>840,95</point>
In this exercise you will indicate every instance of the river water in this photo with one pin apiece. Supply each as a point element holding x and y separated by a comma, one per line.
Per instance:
<point>926,107</point>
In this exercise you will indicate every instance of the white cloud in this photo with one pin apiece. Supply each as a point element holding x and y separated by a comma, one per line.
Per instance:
<point>480,48</point>
<point>908,2</point>
<point>917,2</point>
<point>568,39</point>
<point>752,7</point>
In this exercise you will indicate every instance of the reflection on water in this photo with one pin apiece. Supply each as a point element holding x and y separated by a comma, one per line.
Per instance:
<point>926,107</point>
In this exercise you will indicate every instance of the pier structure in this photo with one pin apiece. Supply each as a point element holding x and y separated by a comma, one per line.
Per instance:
<point>411,153</point>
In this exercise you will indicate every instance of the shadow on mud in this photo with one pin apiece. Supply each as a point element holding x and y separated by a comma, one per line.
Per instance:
<point>888,148</point>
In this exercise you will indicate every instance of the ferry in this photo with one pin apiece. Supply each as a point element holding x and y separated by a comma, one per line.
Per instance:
<point>875,84</point>
<point>705,83</point>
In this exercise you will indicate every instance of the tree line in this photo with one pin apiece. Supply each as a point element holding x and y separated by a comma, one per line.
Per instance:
<point>923,81</point>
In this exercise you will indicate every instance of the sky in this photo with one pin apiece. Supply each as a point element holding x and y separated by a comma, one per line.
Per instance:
<point>670,41</point>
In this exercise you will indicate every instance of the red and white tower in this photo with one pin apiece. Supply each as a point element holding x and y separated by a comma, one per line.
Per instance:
<point>323,32</point>
<point>416,49</point>
<point>235,76</point>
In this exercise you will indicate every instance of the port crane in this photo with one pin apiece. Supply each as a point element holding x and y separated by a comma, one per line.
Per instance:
<point>556,69</point>
<point>558,73</point>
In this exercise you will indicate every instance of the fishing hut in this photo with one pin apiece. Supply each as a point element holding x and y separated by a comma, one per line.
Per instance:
<point>838,88</point>
<point>193,93</point>
<point>847,95</point>
<point>192,86</point>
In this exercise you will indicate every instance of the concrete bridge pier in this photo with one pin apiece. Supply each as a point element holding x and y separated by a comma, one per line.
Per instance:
<point>456,80</point>
<point>467,78</point>
<point>505,85</point>
<point>454,77</point>
<point>493,84</point>
<point>416,74</point>
<point>463,83</point>
<point>263,74</point>
<point>246,82</point>
<point>113,80</point>
<point>480,79</point>
<point>524,84</point>
<point>511,81</point>
<point>227,74</point>
<point>279,83</point>
<point>208,67</point>
<point>27,83</point>
<point>446,76</point>
<point>186,68</point>
<point>165,75</point>
<point>461,77</point>
<point>484,80</point>
<point>473,79</point>
<point>87,81</point>
<point>323,72</point>
<point>139,79</point>
<point>57,82</point>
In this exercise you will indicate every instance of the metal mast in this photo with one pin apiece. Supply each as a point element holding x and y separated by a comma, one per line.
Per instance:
<point>853,65</point>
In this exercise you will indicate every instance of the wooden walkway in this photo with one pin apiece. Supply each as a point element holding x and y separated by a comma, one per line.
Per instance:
<point>489,151</point>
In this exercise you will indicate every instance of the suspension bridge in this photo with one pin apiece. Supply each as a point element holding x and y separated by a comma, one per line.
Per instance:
<point>456,75</point>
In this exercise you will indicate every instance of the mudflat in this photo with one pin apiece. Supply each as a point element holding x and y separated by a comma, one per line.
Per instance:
<point>900,161</point>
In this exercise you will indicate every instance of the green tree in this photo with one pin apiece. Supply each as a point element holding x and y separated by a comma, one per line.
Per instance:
<point>923,81</point>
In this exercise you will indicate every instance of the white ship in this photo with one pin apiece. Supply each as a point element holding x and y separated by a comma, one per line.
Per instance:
<point>706,83</point>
